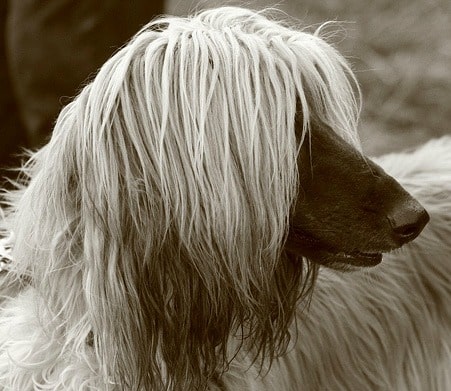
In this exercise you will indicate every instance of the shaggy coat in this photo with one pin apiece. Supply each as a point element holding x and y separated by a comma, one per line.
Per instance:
<point>169,235</point>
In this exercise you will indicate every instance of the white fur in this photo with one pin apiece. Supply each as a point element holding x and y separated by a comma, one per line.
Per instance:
<point>185,141</point>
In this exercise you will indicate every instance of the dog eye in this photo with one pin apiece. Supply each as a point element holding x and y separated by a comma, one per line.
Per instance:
<point>373,171</point>
<point>376,174</point>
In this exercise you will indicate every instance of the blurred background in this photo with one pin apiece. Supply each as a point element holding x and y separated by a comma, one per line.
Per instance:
<point>400,51</point>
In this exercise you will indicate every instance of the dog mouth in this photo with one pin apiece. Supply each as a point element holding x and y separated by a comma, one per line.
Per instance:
<point>320,252</point>
<point>354,258</point>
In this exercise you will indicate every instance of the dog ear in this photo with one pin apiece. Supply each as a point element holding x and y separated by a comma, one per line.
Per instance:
<point>183,214</point>
<point>158,213</point>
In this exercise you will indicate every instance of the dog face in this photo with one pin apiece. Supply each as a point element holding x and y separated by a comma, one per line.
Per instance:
<point>348,211</point>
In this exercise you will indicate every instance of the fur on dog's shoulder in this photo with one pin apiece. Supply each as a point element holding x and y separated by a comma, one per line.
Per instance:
<point>27,348</point>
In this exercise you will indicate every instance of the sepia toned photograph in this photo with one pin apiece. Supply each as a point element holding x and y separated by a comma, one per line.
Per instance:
<point>225,195</point>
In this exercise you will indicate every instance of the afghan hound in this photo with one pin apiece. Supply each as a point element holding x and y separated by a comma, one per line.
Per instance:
<point>189,223</point>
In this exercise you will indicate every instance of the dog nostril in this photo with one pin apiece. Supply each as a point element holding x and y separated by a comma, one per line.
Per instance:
<point>408,221</point>
<point>407,230</point>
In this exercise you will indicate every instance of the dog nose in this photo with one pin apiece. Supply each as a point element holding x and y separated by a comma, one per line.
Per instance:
<point>408,220</point>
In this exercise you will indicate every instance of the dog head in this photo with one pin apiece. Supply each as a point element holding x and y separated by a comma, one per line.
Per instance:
<point>186,190</point>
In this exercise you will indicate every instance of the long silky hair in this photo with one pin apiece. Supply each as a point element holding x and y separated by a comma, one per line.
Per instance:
<point>153,223</point>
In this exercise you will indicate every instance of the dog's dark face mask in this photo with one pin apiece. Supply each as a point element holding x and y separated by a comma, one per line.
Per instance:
<point>348,211</point>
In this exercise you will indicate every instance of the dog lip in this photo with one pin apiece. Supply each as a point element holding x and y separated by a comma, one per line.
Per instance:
<point>355,258</point>
<point>319,252</point>
<point>358,258</point>
<point>359,254</point>
<point>366,254</point>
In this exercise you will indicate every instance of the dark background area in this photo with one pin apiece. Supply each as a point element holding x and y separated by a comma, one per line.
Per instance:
<point>50,49</point>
